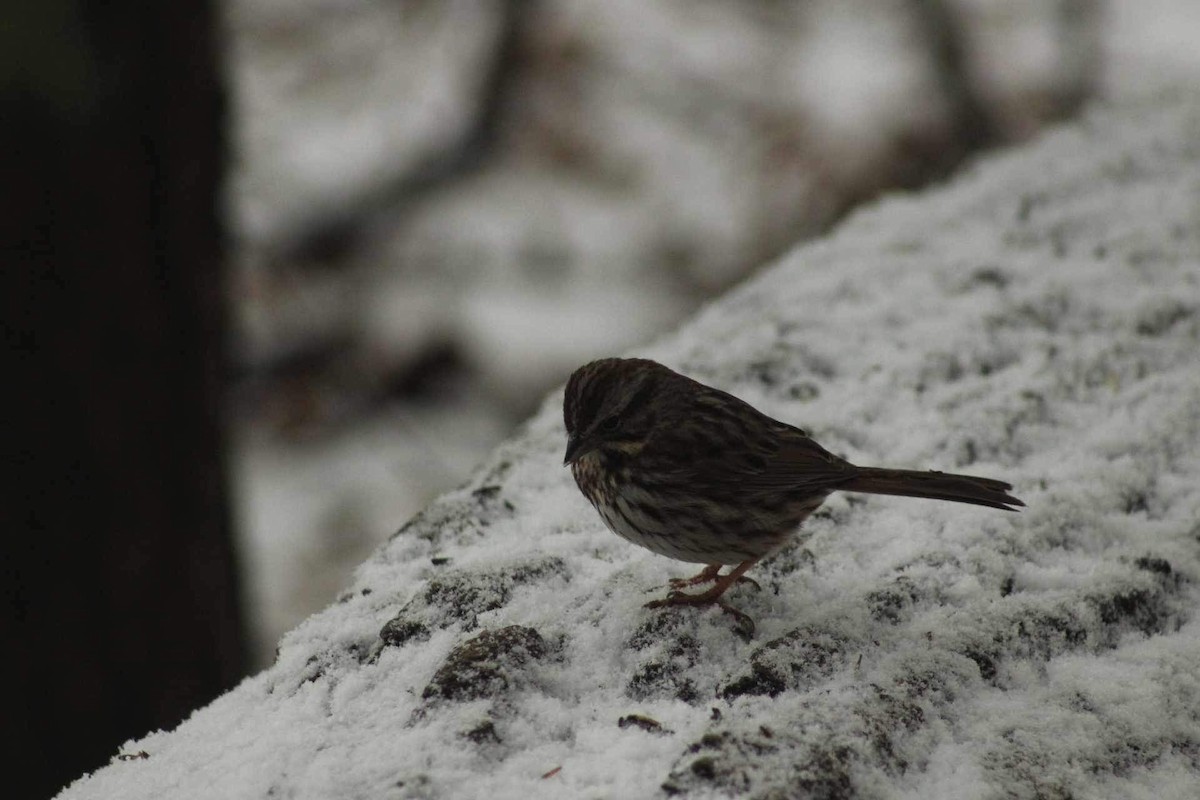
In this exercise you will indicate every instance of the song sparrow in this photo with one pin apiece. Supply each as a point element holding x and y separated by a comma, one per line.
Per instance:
<point>696,474</point>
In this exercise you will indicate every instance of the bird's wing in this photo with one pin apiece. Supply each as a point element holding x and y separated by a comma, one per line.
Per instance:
<point>726,447</point>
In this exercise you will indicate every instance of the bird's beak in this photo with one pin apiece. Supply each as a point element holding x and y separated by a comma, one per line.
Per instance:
<point>577,447</point>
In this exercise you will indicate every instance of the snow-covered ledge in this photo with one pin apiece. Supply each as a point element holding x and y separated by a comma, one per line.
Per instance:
<point>1038,320</point>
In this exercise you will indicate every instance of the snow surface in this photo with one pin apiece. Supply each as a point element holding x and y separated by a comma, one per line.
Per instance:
<point>651,153</point>
<point>1037,320</point>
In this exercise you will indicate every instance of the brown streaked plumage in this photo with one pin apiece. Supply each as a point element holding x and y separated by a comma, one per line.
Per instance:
<point>695,474</point>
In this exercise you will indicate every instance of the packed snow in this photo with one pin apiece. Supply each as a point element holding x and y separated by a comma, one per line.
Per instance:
<point>1038,321</point>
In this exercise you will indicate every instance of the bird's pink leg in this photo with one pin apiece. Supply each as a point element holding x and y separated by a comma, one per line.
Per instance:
<point>706,575</point>
<point>713,595</point>
<point>720,586</point>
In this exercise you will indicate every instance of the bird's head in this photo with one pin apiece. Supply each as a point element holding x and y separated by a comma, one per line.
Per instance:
<point>610,404</point>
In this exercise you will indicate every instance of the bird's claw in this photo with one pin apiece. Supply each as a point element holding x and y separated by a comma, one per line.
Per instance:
<point>757,586</point>
<point>744,622</point>
<point>672,599</point>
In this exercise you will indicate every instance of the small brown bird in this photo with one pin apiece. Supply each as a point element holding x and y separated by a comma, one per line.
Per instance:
<point>695,474</point>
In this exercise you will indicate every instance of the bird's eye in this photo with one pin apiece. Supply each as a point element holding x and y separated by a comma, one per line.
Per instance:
<point>611,423</point>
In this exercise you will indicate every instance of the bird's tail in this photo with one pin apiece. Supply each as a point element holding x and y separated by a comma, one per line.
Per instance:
<point>934,485</point>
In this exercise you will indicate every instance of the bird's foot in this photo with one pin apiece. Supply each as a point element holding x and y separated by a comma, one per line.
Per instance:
<point>677,598</point>
<point>712,596</point>
<point>745,623</point>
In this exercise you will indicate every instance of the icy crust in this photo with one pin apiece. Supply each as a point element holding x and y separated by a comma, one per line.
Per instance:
<point>1037,320</point>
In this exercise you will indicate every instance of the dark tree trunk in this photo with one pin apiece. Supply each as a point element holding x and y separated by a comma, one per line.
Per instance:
<point>122,589</point>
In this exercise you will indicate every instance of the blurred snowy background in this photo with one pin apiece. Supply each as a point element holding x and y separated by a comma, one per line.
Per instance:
<point>441,208</point>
